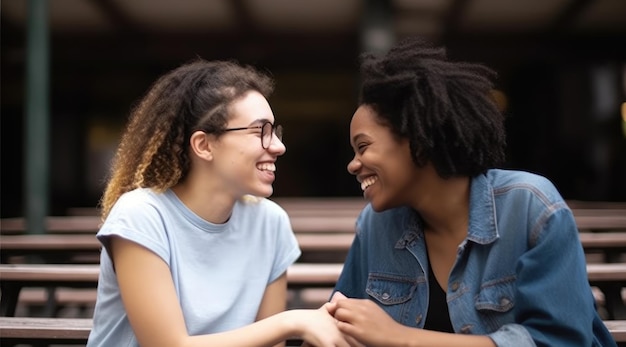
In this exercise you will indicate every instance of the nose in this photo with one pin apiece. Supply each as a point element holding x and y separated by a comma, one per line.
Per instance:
<point>354,165</point>
<point>277,146</point>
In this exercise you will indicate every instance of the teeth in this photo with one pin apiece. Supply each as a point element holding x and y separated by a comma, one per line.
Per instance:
<point>267,167</point>
<point>368,182</point>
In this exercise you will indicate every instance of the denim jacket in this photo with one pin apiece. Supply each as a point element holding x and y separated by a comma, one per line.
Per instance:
<point>519,276</point>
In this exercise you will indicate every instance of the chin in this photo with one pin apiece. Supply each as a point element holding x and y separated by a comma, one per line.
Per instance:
<point>265,193</point>
<point>380,205</point>
<point>377,206</point>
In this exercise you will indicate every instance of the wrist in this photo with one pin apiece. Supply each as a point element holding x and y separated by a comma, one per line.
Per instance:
<point>291,324</point>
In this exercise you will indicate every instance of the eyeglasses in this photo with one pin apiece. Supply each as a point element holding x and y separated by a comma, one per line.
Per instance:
<point>267,131</point>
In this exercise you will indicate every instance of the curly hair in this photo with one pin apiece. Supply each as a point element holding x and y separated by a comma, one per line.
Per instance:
<point>444,108</point>
<point>153,151</point>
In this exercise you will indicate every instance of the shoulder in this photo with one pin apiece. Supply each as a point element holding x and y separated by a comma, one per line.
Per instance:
<point>516,182</point>
<point>141,204</point>
<point>137,199</point>
<point>524,198</point>
<point>140,216</point>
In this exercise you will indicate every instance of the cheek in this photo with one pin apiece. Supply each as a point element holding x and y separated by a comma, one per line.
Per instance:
<point>401,174</point>
<point>234,160</point>
<point>400,168</point>
<point>241,154</point>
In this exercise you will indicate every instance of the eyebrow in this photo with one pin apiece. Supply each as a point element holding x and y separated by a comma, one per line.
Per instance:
<point>260,121</point>
<point>356,137</point>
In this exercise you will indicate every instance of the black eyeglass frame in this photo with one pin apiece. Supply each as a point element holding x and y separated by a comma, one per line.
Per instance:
<point>265,135</point>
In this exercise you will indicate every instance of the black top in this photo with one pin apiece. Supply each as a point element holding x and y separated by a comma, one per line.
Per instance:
<point>437,317</point>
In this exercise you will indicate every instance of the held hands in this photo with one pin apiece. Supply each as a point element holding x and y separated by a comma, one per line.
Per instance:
<point>362,321</point>
<point>350,322</point>
<point>319,328</point>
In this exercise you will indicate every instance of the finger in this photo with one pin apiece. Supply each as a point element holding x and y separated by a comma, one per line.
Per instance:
<point>343,343</point>
<point>337,296</point>
<point>329,307</point>
<point>342,314</point>
<point>352,341</point>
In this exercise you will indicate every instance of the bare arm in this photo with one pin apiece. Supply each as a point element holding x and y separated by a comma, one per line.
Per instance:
<point>274,300</point>
<point>145,279</point>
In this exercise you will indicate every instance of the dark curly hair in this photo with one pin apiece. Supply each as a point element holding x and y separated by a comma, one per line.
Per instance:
<point>444,108</point>
<point>195,96</point>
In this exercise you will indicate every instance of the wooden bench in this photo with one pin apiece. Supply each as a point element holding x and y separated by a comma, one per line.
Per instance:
<point>618,330</point>
<point>301,225</point>
<point>54,224</point>
<point>354,204</point>
<point>57,331</point>
<point>51,248</point>
<point>90,224</point>
<point>28,330</point>
<point>324,229</point>
<point>610,278</point>
<point>327,215</point>
<point>72,248</point>
<point>612,245</point>
<point>316,247</point>
<point>14,277</point>
<point>67,302</point>
<point>31,330</point>
<point>82,248</point>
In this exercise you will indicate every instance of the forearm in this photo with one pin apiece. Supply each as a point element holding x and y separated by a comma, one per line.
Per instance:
<point>267,332</point>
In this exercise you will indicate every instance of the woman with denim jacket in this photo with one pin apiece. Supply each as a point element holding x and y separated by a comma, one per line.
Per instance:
<point>451,251</point>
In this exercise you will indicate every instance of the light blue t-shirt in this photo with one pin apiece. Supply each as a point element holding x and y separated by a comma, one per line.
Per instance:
<point>220,271</point>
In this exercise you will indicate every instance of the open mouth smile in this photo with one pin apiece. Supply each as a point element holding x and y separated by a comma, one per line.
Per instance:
<point>368,181</point>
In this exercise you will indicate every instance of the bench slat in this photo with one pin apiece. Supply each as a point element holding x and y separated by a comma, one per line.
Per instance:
<point>617,329</point>
<point>603,240</point>
<point>614,272</point>
<point>311,241</point>
<point>45,328</point>
<point>319,220</point>
<point>299,275</point>
<point>302,274</point>
<point>75,243</point>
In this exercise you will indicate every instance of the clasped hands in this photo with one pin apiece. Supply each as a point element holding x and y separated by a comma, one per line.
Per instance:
<point>361,321</point>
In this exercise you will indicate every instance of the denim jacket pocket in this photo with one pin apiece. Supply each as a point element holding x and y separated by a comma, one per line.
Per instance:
<point>497,296</point>
<point>390,289</point>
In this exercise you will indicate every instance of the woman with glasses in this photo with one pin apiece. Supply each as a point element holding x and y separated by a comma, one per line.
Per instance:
<point>450,250</point>
<point>194,254</point>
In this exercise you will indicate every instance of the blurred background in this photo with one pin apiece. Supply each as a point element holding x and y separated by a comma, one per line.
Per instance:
<point>71,70</point>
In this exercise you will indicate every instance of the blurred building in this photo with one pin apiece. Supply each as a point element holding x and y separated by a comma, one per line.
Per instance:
<point>561,65</point>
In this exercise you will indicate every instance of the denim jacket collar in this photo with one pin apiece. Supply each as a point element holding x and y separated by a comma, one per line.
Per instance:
<point>414,229</point>
<point>482,220</point>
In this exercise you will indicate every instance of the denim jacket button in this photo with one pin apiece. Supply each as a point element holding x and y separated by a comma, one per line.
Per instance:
<point>466,329</point>
<point>385,296</point>
<point>418,319</point>
<point>455,286</point>
<point>504,301</point>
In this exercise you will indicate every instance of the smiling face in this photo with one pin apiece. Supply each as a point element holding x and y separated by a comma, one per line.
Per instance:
<point>243,165</point>
<point>382,162</point>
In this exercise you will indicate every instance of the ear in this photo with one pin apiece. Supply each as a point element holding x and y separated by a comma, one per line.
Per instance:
<point>201,145</point>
